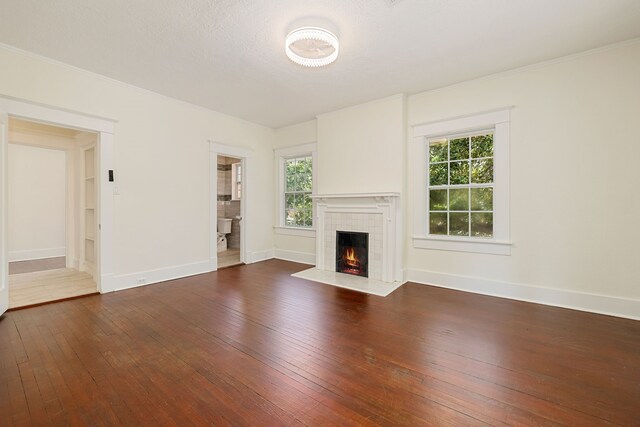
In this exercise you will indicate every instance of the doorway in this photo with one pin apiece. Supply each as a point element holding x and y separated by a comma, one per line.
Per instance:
<point>229,210</point>
<point>104,130</point>
<point>51,213</point>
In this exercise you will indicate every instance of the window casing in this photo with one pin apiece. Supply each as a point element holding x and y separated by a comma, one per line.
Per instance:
<point>296,183</point>
<point>461,184</point>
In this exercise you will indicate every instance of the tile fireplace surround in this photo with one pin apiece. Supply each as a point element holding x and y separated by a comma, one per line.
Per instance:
<point>375,213</point>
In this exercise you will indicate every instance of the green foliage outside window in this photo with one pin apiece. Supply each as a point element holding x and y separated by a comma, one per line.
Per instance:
<point>298,205</point>
<point>461,186</point>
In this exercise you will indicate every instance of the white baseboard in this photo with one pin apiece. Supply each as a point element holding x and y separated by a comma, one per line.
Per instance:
<point>143,278</point>
<point>30,254</point>
<point>301,257</point>
<point>106,283</point>
<point>258,256</point>
<point>602,304</point>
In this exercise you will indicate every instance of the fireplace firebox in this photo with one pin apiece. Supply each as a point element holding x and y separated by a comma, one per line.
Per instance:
<point>352,253</point>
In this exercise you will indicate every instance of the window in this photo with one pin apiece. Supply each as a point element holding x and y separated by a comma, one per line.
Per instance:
<point>298,187</point>
<point>236,181</point>
<point>461,187</point>
<point>296,176</point>
<point>460,176</point>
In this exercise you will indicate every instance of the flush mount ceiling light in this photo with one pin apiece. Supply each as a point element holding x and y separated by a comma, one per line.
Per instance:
<point>312,46</point>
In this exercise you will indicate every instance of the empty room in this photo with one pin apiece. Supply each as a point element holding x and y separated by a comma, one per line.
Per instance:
<point>330,212</point>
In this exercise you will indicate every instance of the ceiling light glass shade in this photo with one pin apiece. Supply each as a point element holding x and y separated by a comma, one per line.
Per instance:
<point>312,46</point>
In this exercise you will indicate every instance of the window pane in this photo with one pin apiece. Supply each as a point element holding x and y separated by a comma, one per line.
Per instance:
<point>459,149</point>
<point>289,209</point>
<point>482,199</point>
<point>297,210</point>
<point>308,218</point>
<point>482,224</point>
<point>438,200</point>
<point>300,182</point>
<point>459,224</point>
<point>438,223</point>
<point>438,151</point>
<point>459,173</point>
<point>482,146</point>
<point>306,202</point>
<point>459,199</point>
<point>438,174</point>
<point>304,165</point>
<point>288,200</point>
<point>482,171</point>
<point>289,175</point>
<point>305,181</point>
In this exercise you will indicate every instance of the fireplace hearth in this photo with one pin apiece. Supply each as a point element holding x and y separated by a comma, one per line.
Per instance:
<point>352,253</point>
<point>347,264</point>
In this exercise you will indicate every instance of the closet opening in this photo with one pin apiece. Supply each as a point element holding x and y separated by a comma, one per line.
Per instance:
<point>52,213</point>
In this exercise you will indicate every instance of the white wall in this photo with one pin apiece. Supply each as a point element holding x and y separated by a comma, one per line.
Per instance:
<point>162,165</point>
<point>37,202</point>
<point>575,145</point>
<point>361,149</point>
<point>298,134</point>
<point>574,148</point>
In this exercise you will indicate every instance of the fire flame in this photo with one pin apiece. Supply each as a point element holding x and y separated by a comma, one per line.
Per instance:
<point>350,257</point>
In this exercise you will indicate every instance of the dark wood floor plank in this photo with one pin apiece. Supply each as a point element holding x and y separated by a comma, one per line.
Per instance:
<point>254,346</point>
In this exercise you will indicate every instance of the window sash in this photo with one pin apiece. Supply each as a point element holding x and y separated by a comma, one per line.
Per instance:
<point>283,156</point>
<point>449,186</point>
<point>286,211</point>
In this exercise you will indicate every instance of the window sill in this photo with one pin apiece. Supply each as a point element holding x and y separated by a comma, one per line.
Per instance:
<point>294,231</point>
<point>490,247</point>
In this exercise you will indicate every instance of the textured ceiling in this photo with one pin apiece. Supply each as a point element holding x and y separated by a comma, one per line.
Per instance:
<point>228,55</point>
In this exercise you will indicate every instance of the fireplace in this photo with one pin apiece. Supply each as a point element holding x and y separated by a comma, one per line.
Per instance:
<point>371,248</point>
<point>352,253</point>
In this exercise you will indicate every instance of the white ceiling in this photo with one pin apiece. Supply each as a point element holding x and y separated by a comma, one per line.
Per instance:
<point>228,55</point>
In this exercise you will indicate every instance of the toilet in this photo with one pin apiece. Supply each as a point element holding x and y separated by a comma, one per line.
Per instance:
<point>224,228</point>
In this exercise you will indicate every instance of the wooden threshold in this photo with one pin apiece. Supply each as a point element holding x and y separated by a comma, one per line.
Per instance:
<point>52,301</point>
<point>28,289</point>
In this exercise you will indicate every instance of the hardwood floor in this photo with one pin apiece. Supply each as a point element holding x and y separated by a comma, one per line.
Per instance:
<point>28,289</point>
<point>253,346</point>
<point>228,258</point>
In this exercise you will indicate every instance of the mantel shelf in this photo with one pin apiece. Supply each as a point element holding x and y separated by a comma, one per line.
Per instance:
<point>354,195</point>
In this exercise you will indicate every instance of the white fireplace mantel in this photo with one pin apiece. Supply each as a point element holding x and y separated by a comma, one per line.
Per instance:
<point>375,213</point>
<point>360,196</point>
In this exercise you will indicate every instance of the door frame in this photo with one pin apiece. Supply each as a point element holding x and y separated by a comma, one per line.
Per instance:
<point>105,130</point>
<point>244,154</point>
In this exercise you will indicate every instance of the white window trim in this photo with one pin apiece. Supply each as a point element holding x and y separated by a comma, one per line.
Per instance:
<point>281,155</point>
<point>500,244</point>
